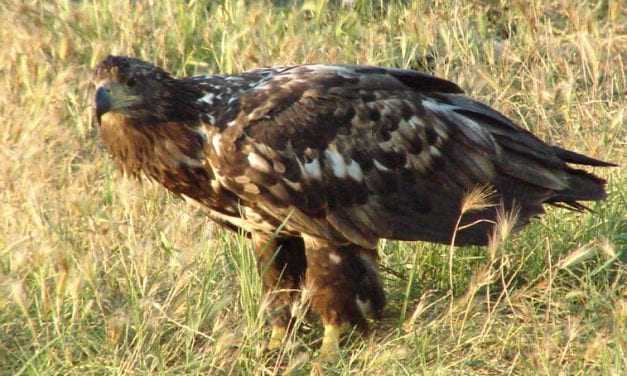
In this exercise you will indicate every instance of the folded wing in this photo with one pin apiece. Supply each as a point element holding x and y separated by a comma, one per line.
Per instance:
<point>360,153</point>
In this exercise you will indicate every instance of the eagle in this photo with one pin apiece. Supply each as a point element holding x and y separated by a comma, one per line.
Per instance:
<point>318,162</point>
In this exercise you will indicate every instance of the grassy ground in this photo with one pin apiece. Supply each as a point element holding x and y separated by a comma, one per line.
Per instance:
<point>99,275</point>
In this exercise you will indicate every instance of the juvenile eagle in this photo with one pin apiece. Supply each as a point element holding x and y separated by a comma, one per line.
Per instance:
<point>331,158</point>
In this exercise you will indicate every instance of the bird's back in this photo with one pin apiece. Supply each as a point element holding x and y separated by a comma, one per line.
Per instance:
<point>387,153</point>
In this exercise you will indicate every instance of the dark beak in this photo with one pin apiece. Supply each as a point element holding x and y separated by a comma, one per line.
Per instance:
<point>103,102</point>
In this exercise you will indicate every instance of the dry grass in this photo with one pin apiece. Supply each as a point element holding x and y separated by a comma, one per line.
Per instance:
<point>99,275</point>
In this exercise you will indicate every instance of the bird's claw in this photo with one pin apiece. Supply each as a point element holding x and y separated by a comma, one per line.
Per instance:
<point>277,337</point>
<point>330,349</point>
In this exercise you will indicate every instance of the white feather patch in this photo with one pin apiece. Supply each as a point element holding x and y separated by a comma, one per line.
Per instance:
<point>251,188</point>
<point>415,122</point>
<point>207,98</point>
<point>434,151</point>
<point>259,163</point>
<point>335,258</point>
<point>215,141</point>
<point>379,166</point>
<point>202,132</point>
<point>215,185</point>
<point>208,118</point>
<point>337,162</point>
<point>312,169</point>
<point>439,129</point>
<point>354,171</point>
<point>364,306</point>
<point>294,185</point>
<point>437,107</point>
<point>422,161</point>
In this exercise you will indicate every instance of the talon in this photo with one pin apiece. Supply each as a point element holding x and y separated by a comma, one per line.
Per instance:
<point>277,336</point>
<point>330,349</point>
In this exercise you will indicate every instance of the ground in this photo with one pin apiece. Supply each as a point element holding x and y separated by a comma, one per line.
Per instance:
<point>100,275</point>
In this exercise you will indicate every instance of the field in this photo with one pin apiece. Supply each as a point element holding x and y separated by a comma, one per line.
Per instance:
<point>102,275</point>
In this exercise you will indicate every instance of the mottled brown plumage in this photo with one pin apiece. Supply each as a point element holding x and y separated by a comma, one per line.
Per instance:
<point>319,162</point>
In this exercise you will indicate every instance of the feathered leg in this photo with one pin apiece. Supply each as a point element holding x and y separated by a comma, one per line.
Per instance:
<point>343,287</point>
<point>282,266</point>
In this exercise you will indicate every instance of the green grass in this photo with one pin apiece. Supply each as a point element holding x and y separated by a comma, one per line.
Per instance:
<point>101,275</point>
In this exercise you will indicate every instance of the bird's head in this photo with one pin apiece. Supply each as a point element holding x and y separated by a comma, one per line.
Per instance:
<point>141,92</point>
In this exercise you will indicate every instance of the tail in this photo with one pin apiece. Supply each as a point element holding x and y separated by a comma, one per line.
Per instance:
<point>582,185</point>
<point>528,172</point>
<point>580,159</point>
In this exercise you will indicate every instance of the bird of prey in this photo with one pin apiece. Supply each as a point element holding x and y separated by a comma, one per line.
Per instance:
<point>318,162</point>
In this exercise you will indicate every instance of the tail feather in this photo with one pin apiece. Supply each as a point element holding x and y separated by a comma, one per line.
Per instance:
<point>576,158</point>
<point>582,186</point>
<point>530,172</point>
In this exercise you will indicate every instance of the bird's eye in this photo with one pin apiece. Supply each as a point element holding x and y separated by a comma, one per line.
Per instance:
<point>131,82</point>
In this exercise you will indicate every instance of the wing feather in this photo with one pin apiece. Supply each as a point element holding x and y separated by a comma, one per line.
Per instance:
<point>361,153</point>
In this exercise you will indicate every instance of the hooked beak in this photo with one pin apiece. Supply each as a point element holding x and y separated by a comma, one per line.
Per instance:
<point>103,102</point>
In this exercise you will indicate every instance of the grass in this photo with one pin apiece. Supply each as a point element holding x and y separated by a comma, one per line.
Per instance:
<point>100,275</point>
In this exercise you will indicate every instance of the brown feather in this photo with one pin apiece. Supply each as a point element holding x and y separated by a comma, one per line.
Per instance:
<point>319,162</point>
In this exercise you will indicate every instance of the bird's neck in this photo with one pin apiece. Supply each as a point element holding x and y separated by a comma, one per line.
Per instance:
<point>171,153</point>
<point>217,101</point>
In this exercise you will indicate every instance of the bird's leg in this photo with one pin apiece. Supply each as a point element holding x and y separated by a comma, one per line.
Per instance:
<point>363,267</point>
<point>331,340</point>
<point>341,283</point>
<point>282,266</point>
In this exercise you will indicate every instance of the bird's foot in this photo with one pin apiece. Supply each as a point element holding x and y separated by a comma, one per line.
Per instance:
<point>330,349</point>
<point>276,338</point>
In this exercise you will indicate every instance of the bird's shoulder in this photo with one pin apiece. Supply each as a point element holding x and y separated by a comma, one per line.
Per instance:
<point>325,138</point>
<point>309,107</point>
<point>278,87</point>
